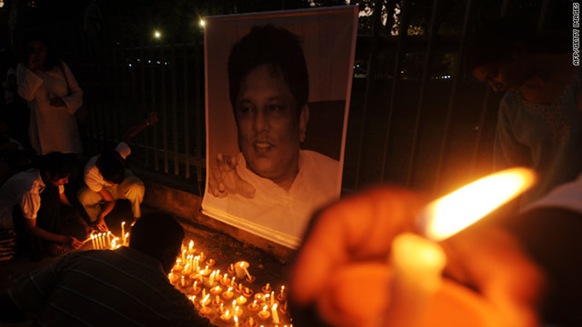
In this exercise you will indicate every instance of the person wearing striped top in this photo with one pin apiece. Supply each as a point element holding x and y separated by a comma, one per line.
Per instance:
<point>123,287</point>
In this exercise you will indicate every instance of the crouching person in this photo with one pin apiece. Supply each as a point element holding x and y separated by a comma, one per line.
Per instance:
<point>107,179</point>
<point>31,205</point>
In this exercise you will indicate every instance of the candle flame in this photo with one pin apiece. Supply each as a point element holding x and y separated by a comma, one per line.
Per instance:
<point>455,211</point>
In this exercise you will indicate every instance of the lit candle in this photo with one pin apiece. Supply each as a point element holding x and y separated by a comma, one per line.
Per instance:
<point>241,269</point>
<point>418,262</point>
<point>226,315</point>
<point>126,239</point>
<point>228,294</point>
<point>93,244</point>
<point>264,314</point>
<point>275,314</point>
<point>272,298</point>
<point>216,290</point>
<point>253,306</point>
<point>184,256</point>
<point>191,247</point>
<point>235,317</point>
<point>123,232</point>
<point>241,300</point>
<point>282,295</point>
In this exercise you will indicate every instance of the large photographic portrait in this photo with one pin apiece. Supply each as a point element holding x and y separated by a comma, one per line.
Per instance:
<point>277,98</point>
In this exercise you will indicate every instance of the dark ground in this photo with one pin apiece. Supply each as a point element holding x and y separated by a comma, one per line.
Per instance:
<point>215,245</point>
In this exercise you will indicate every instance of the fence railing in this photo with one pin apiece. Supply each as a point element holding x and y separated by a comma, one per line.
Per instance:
<point>415,119</point>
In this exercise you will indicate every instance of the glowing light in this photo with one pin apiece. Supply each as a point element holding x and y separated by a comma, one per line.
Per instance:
<point>452,213</point>
<point>202,23</point>
<point>157,34</point>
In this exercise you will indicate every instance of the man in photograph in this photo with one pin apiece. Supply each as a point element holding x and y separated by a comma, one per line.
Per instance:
<point>272,181</point>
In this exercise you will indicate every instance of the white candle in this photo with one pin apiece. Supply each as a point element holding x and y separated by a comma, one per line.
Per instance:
<point>93,241</point>
<point>123,232</point>
<point>241,269</point>
<point>275,314</point>
<point>418,262</point>
<point>418,265</point>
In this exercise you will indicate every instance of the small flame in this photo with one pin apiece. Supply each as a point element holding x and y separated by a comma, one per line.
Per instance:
<point>455,211</point>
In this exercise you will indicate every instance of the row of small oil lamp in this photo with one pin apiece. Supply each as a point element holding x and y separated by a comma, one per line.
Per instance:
<point>211,291</point>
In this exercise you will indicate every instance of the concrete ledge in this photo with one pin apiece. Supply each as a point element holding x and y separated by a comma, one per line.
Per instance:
<point>187,206</point>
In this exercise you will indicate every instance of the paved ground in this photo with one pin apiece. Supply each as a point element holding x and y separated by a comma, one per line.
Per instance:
<point>223,249</point>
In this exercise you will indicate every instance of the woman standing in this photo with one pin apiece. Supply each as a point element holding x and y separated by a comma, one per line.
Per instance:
<point>53,96</point>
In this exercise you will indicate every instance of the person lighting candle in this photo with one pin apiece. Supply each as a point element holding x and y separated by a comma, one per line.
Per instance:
<point>133,288</point>
<point>339,253</point>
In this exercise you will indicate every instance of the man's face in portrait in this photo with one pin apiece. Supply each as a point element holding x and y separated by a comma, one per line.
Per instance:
<point>270,124</point>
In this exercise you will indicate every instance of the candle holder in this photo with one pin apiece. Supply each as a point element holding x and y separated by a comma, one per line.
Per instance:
<point>204,310</point>
<point>237,311</point>
<point>267,288</point>
<point>239,288</point>
<point>241,269</point>
<point>195,289</point>
<point>251,279</point>
<point>247,292</point>
<point>254,306</point>
<point>197,278</point>
<point>251,323</point>
<point>283,308</point>
<point>226,316</point>
<point>241,300</point>
<point>220,309</point>
<point>259,296</point>
<point>264,314</point>
<point>217,301</point>
<point>230,270</point>
<point>216,290</point>
<point>225,281</point>
<point>228,294</point>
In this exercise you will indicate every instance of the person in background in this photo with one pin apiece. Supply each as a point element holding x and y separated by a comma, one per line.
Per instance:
<point>107,179</point>
<point>539,119</point>
<point>126,286</point>
<point>52,93</point>
<point>31,204</point>
<point>517,271</point>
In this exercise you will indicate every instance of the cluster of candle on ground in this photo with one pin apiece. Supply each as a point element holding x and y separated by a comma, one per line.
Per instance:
<point>229,297</point>
<point>229,294</point>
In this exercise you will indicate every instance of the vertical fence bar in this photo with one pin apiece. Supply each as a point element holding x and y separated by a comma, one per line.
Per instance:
<point>400,52</point>
<point>199,113</point>
<point>378,4</point>
<point>144,101</point>
<point>164,107</point>
<point>154,107</point>
<point>453,96</point>
<point>425,75</point>
<point>173,73</point>
<point>186,111</point>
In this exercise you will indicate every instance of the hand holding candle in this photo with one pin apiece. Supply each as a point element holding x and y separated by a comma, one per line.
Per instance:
<point>340,252</point>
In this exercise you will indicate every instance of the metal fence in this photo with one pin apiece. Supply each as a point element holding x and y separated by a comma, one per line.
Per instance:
<point>416,118</point>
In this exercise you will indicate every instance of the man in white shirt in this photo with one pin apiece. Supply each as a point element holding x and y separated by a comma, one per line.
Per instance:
<point>107,180</point>
<point>22,196</point>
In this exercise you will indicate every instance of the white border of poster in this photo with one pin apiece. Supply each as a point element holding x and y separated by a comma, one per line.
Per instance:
<point>328,39</point>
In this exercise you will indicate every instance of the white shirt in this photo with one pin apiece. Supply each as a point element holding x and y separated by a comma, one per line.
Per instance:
<point>566,196</point>
<point>22,189</point>
<point>317,183</point>
<point>93,178</point>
